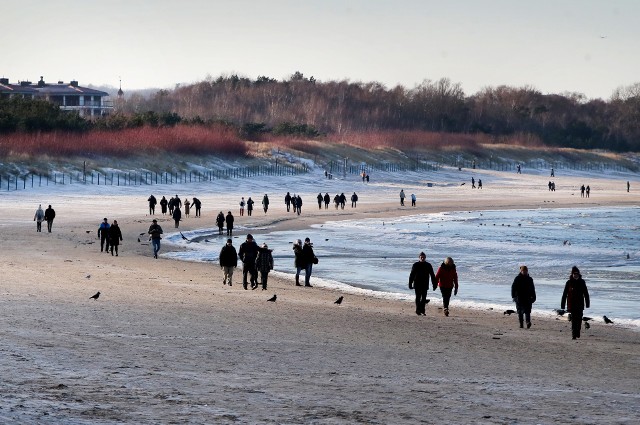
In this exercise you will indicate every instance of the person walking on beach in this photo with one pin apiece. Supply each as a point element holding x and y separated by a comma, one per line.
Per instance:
<point>163,205</point>
<point>265,203</point>
<point>177,215</point>
<point>287,201</point>
<point>177,203</point>
<point>49,215</point>
<point>264,264</point>
<point>421,272</point>
<point>103,234</point>
<point>343,200</point>
<point>38,217</point>
<point>172,205</point>
<point>154,234</point>
<point>582,191</point>
<point>242,206</point>
<point>299,204</point>
<point>413,199</point>
<point>628,186</point>
<point>115,236</point>
<point>447,279</point>
<point>298,260</point>
<point>587,190</point>
<point>320,199</point>
<point>354,200</point>
<point>523,293</point>
<point>220,222</point>
<point>479,184</point>
<point>553,174</point>
<point>402,197</point>
<point>197,205</point>
<point>576,298</point>
<point>248,253</point>
<point>187,205</point>
<point>473,183</point>
<point>308,259</point>
<point>152,204</point>
<point>229,220</point>
<point>249,206</point>
<point>228,262</point>
<point>327,200</point>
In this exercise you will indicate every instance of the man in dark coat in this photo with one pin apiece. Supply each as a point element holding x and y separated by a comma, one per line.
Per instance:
<point>229,220</point>
<point>163,205</point>
<point>220,222</point>
<point>354,200</point>
<point>115,236</point>
<point>248,253</point>
<point>309,259</point>
<point>523,293</point>
<point>197,205</point>
<point>152,204</point>
<point>249,206</point>
<point>49,215</point>
<point>154,234</point>
<point>177,215</point>
<point>298,205</point>
<point>103,234</point>
<point>265,203</point>
<point>327,200</point>
<point>228,261</point>
<point>287,200</point>
<point>421,271</point>
<point>576,297</point>
<point>320,199</point>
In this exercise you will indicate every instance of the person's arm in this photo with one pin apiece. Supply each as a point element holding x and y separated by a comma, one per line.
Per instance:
<point>513,289</point>
<point>587,302</point>
<point>455,282</point>
<point>412,276</point>
<point>563,301</point>
<point>434,282</point>
<point>533,292</point>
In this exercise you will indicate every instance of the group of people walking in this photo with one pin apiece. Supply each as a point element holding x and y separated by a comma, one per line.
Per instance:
<point>249,204</point>
<point>523,293</point>
<point>585,191</point>
<point>173,207</point>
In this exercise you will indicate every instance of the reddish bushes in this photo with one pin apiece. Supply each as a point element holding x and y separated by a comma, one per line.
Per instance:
<point>217,139</point>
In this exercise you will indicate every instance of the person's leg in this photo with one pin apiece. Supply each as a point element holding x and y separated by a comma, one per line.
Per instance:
<point>520,315</point>
<point>49,224</point>
<point>116,247</point>
<point>298,270</point>
<point>423,300</point>
<point>307,275</point>
<point>527,316</point>
<point>576,323</point>
<point>254,277</point>
<point>265,277</point>
<point>245,271</point>
<point>418,302</point>
<point>446,296</point>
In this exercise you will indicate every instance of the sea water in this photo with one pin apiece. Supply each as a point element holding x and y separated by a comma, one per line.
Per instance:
<point>487,246</point>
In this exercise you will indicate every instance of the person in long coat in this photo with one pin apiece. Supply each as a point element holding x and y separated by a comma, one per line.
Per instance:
<point>177,215</point>
<point>523,293</point>
<point>576,297</point>
<point>220,222</point>
<point>298,260</point>
<point>229,220</point>
<point>163,205</point>
<point>447,278</point>
<point>38,218</point>
<point>421,272</point>
<point>115,236</point>
<point>228,261</point>
<point>264,264</point>
<point>247,254</point>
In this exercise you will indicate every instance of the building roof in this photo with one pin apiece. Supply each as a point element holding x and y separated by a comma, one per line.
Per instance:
<point>5,87</point>
<point>41,88</point>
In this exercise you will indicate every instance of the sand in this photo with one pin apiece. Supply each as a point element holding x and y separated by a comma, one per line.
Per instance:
<point>166,342</point>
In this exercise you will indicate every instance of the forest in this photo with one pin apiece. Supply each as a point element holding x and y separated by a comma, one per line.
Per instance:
<point>343,111</point>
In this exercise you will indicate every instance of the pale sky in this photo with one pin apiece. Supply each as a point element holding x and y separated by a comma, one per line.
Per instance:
<point>583,46</point>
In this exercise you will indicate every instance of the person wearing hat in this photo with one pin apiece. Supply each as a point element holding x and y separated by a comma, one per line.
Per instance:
<point>421,271</point>
<point>308,259</point>
<point>523,293</point>
<point>155,231</point>
<point>228,261</point>
<point>115,237</point>
<point>447,278</point>
<point>576,297</point>
<point>264,264</point>
<point>248,253</point>
<point>103,234</point>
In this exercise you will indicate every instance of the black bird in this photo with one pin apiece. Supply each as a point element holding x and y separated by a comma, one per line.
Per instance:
<point>462,184</point>
<point>586,319</point>
<point>273,299</point>
<point>427,301</point>
<point>560,312</point>
<point>509,312</point>
<point>138,239</point>
<point>88,231</point>
<point>587,325</point>
<point>88,276</point>
<point>184,237</point>
<point>95,297</point>
<point>607,320</point>
<point>142,234</point>
<point>339,300</point>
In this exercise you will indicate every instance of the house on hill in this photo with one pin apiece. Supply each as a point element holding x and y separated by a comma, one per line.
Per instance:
<point>68,96</point>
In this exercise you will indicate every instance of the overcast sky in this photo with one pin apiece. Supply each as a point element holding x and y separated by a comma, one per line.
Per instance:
<point>584,46</point>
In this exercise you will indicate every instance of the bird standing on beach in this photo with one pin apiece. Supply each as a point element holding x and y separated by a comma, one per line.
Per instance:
<point>273,299</point>
<point>95,297</point>
<point>587,325</point>
<point>586,319</point>
<point>607,320</point>
<point>560,312</point>
<point>339,300</point>
<point>509,312</point>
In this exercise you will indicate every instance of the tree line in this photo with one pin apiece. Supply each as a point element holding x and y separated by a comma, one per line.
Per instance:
<point>341,109</point>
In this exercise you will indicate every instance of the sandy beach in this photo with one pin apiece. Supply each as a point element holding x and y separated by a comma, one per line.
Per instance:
<point>167,343</point>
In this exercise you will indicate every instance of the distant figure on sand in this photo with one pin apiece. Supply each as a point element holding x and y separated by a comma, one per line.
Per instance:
<point>228,261</point>
<point>177,216</point>
<point>479,184</point>
<point>242,203</point>
<point>354,200</point>
<point>229,220</point>
<point>103,234</point>
<point>576,297</point>
<point>320,199</point>
<point>523,293</point>
<point>163,205</point>
<point>152,204</point>
<point>115,237</point>
<point>197,205</point>
<point>588,191</point>
<point>38,217</point>
<point>553,174</point>
<point>473,183</point>
<point>413,199</point>
<point>628,186</point>
<point>248,253</point>
<point>220,222</point>
<point>265,203</point>
<point>264,264</point>
<point>327,200</point>
<point>421,272</point>
<point>49,215</point>
<point>287,200</point>
<point>187,206</point>
<point>249,206</point>
<point>155,231</point>
<point>402,197</point>
<point>582,188</point>
<point>447,279</point>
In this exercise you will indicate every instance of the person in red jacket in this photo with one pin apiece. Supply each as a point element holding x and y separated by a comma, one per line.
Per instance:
<point>447,279</point>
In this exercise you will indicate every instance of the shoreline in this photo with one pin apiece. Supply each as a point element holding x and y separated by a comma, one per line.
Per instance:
<point>166,342</point>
